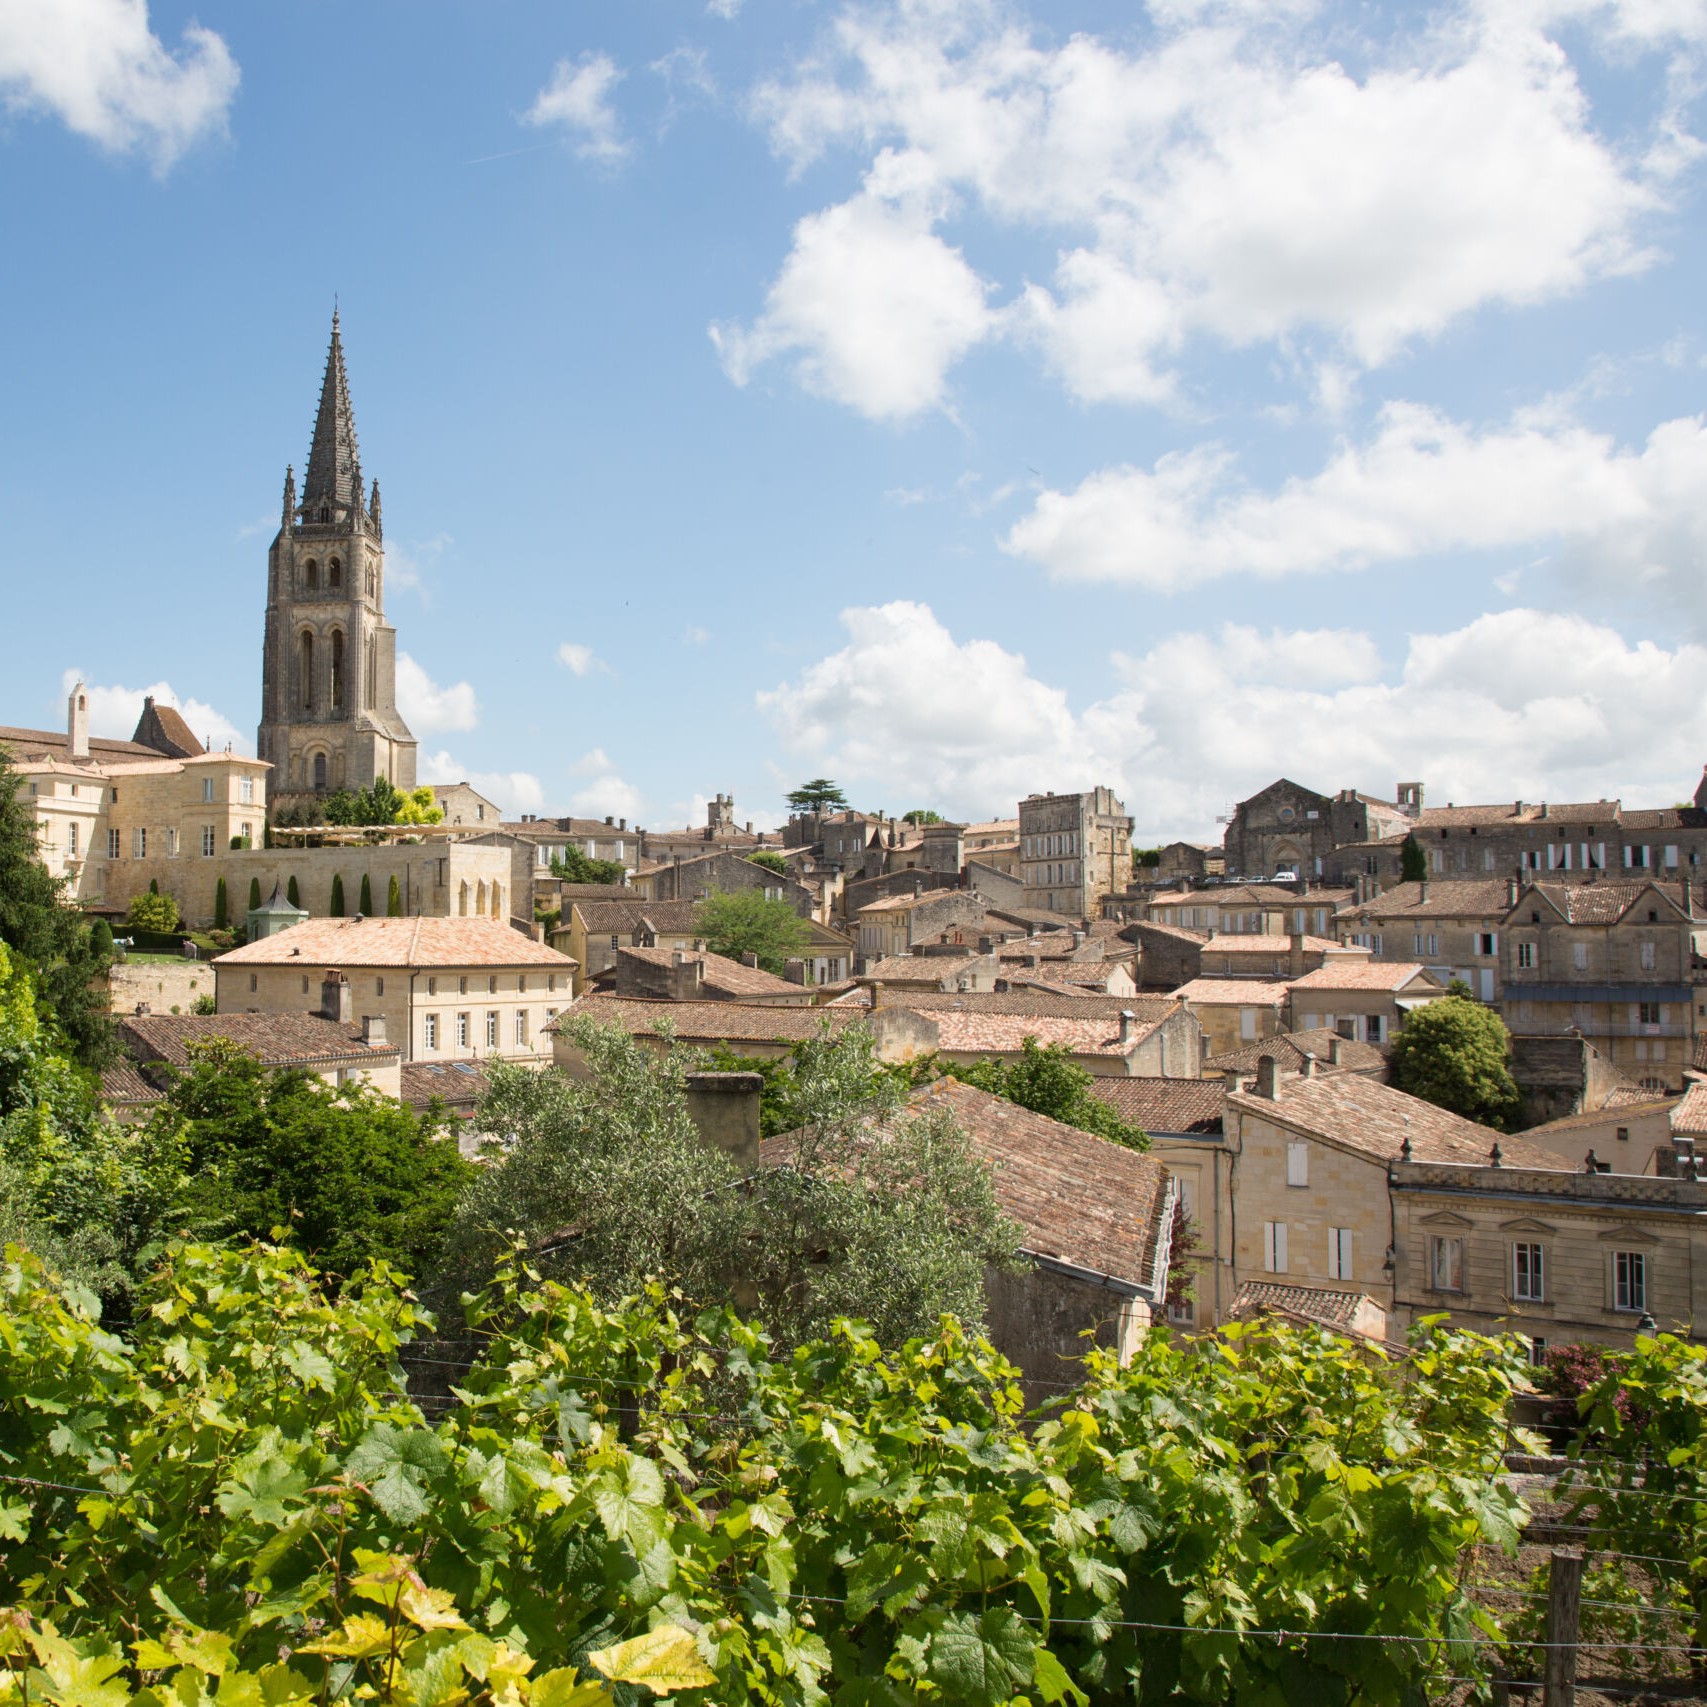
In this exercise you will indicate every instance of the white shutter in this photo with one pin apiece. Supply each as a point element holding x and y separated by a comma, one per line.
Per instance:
<point>1274,1246</point>
<point>1297,1163</point>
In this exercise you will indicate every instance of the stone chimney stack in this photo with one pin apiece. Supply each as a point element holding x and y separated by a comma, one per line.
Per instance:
<point>725,1109</point>
<point>1268,1078</point>
<point>335,1002</point>
<point>794,970</point>
<point>1336,1052</point>
<point>1511,891</point>
<point>1307,1068</point>
<point>749,958</point>
<point>1127,1020</point>
<point>1295,954</point>
<point>77,723</point>
<point>373,1030</point>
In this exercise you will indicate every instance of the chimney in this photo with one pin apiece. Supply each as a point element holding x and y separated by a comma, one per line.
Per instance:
<point>1336,1052</point>
<point>335,996</point>
<point>77,722</point>
<point>749,958</point>
<point>621,823</point>
<point>609,819</point>
<point>1268,1078</point>
<point>676,957</point>
<point>794,970</point>
<point>725,1109</point>
<point>1307,1067</point>
<point>142,1008</point>
<point>1127,1018</point>
<point>1511,891</point>
<point>1078,939</point>
<point>373,1030</point>
<point>1295,954</point>
<point>1422,893</point>
<point>1544,811</point>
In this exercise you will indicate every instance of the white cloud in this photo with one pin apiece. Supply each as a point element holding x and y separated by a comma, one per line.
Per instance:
<point>578,99</point>
<point>728,10</point>
<point>580,660</point>
<point>1230,180</point>
<point>514,791</point>
<point>1520,703</point>
<point>407,563</point>
<point>1624,518</point>
<point>113,712</point>
<point>606,793</point>
<point>97,66</point>
<point>695,635</point>
<point>426,706</point>
<point>872,305</point>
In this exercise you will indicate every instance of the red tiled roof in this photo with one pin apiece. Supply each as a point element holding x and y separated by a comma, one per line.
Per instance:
<point>721,973</point>
<point>1232,993</point>
<point>398,942</point>
<point>708,1022</point>
<point>1291,1047</point>
<point>1376,975</point>
<point>1078,1199</point>
<point>280,1040</point>
<point>1165,1105</point>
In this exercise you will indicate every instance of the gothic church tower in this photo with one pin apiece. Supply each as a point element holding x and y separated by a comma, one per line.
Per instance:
<point>329,672</point>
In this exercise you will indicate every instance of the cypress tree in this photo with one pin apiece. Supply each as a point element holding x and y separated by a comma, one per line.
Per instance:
<point>221,906</point>
<point>154,886</point>
<point>254,893</point>
<point>365,908</point>
<point>291,893</point>
<point>394,900</point>
<point>337,908</point>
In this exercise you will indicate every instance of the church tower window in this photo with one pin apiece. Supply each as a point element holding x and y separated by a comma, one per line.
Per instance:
<point>334,576</point>
<point>307,669</point>
<point>319,773</point>
<point>372,672</point>
<point>311,575</point>
<point>336,683</point>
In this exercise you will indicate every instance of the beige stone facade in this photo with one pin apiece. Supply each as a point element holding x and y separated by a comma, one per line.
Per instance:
<point>1074,850</point>
<point>446,989</point>
<point>1451,926</point>
<point>1614,963</point>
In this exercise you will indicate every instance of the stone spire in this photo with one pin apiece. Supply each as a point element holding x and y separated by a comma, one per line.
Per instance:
<point>373,506</point>
<point>289,497</point>
<point>333,458</point>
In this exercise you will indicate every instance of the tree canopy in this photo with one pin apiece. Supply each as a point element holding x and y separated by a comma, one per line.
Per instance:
<point>818,795</point>
<point>881,1214</point>
<point>53,939</point>
<point>747,921</point>
<point>1453,1053</point>
<point>152,912</point>
<point>1047,1080</point>
<point>383,803</point>
<point>770,859</point>
<point>921,815</point>
<point>1413,862</point>
<point>573,866</point>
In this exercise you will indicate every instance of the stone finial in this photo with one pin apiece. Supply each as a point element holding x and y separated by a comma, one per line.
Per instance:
<point>1496,1156</point>
<point>1591,1163</point>
<point>1405,1151</point>
<point>289,495</point>
<point>373,506</point>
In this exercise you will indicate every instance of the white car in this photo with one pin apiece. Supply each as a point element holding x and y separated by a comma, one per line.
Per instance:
<point>1286,877</point>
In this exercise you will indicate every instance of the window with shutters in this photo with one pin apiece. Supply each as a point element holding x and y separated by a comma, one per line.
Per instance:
<point>1297,1163</point>
<point>1629,1280</point>
<point>1339,1253</point>
<point>1274,1246</point>
<point>1446,1264</point>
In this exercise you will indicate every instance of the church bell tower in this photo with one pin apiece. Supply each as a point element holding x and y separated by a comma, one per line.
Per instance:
<point>329,664</point>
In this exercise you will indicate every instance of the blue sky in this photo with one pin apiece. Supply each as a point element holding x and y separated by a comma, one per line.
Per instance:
<point>954,399</point>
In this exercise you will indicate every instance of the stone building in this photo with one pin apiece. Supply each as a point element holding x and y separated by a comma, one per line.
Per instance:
<point>720,873</point>
<point>1074,849</point>
<point>1287,827</point>
<point>1366,1001</point>
<point>1450,925</point>
<point>114,816</point>
<point>900,923</point>
<point>443,989</point>
<point>329,715</point>
<point>1617,964</point>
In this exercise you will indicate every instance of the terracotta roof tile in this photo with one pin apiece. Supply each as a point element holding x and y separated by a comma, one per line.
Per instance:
<point>1514,815</point>
<point>1317,1303</point>
<point>1232,992</point>
<point>280,1040</point>
<point>1078,1199</point>
<point>1376,975</point>
<point>1361,1114</point>
<point>721,973</point>
<point>1165,1105</point>
<point>708,1022</point>
<point>1690,1115</point>
<point>964,1033</point>
<point>1597,903</point>
<point>899,903</point>
<point>1063,1004</point>
<point>413,942</point>
<point>1291,1047</point>
<point>1440,897</point>
<point>123,1085</point>
<point>458,1084</point>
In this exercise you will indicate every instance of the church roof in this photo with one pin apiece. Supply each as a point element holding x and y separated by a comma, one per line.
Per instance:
<point>334,459</point>
<point>163,728</point>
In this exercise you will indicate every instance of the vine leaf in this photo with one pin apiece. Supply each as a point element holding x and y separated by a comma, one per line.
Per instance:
<point>664,1660</point>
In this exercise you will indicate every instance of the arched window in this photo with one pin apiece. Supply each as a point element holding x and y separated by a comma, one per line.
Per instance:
<point>372,581</point>
<point>319,773</point>
<point>325,513</point>
<point>335,684</point>
<point>334,576</point>
<point>311,575</point>
<point>305,667</point>
<point>372,672</point>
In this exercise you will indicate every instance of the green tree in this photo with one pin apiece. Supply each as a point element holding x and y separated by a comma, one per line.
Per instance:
<point>921,815</point>
<point>336,908</point>
<point>364,904</point>
<point>1453,1053</point>
<point>291,894</point>
<point>747,921</point>
<point>351,1174</point>
<point>881,1213</point>
<point>221,906</point>
<point>573,866</point>
<point>393,899</point>
<point>1146,859</point>
<point>1413,862</point>
<point>420,807</point>
<point>770,859</point>
<point>818,795</point>
<point>101,939</point>
<point>340,807</point>
<point>254,893</point>
<point>379,804</point>
<point>152,912</point>
<point>1047,1080</point>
